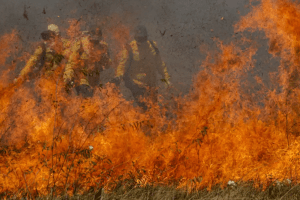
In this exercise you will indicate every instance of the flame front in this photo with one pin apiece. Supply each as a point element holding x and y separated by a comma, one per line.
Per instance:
<point>50,140</point>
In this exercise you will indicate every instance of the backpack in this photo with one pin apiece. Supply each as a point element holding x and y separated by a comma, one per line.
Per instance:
<point>126,77</point>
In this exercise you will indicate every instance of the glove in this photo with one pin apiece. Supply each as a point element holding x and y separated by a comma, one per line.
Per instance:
<point>167,82</point>
<point>69,85</point>
<point>58,58</point>
<point>18,80</point>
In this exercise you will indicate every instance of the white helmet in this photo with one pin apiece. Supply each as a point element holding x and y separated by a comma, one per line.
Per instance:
<point>54,28</point>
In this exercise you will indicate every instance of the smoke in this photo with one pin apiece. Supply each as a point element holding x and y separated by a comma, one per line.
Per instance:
<point>178,27</point>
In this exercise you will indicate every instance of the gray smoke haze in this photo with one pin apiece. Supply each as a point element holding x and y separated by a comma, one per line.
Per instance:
<point>178,26</point>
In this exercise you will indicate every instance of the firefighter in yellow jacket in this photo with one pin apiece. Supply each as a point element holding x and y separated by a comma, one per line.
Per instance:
<point>47,56</point>
<point>89,56</point>
<point>138,66</point>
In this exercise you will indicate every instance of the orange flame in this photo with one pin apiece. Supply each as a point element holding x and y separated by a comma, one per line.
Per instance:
<point>219,133</point>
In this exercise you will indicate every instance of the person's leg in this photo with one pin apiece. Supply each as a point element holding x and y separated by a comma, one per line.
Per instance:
<point>137,99</point>
<point>84,91</point>
<point>139,93</point>
<point>153,94</point>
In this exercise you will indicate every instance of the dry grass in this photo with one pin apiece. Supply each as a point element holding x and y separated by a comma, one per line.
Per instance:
<point>243,191</point>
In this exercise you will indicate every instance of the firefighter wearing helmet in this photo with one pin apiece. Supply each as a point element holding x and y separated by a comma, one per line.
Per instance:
<point>64,42</point>
<point>47,56</point>
<point>89,57</point>
<point>138,66</point>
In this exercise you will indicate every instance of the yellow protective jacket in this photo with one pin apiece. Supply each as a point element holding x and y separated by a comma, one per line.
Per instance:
<point>86,61</point>
<point>143,64</point>
<point>44,58</point>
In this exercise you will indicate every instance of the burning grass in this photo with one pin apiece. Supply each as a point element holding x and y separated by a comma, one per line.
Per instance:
<point>53,143</point>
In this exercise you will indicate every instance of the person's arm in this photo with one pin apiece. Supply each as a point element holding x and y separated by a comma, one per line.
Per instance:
<point>72,61</point>
<point>121,67</point>
<point>31,62</point>
<point>106,55</point>
<point>161,66</point>
<point>122,63</point>
<point>165,73</point>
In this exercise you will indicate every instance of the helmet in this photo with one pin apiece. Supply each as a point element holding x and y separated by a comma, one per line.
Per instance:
<point>140,33</point>
<point>54,28</point>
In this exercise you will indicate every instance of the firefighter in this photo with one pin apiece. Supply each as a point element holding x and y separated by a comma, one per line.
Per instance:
<point>89,57</point>
<point>47,56</point>
<point>45,59</point>
<point>138,66</point>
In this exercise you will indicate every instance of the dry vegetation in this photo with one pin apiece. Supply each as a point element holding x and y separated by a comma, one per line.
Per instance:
<point>57,146</point>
